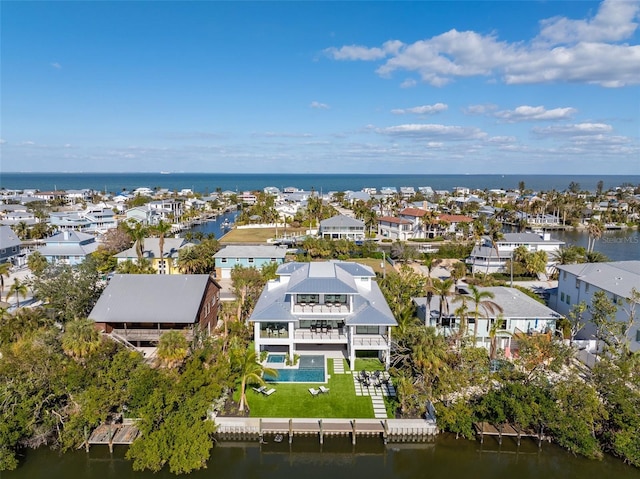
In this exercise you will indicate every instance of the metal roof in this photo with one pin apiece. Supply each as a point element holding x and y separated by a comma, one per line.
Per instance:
<point>251,251</point>
<point>341,221</point>
<point>151,298</point>
<point>617,277</point>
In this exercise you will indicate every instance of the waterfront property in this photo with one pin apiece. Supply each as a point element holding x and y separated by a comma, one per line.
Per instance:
<point>579,282</point>
<point>490,258</point>
<point>167,264</point>
<point>335,305</point>
<point>342,227</point>
<point>246,256</point>
<point>139,308</point>
<point>520,314</point>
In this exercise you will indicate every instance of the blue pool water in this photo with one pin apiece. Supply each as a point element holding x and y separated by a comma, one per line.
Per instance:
<point>310,370</point>
<point>276,358</point>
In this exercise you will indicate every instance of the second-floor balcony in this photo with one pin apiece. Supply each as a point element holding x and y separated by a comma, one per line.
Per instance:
<point>320,308</point>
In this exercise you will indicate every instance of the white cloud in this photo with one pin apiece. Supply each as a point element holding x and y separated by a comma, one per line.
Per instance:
<point>534,113</point>
<point>408,83</point>
<point>566,50</point>
<point>480,109</point>
<point>502,140</point>
<point>434,131</point>
<point>422,110</point>
<point>577,129</point>
<point>56,65</point>
<point>273,134</point>
<point>318,105</point>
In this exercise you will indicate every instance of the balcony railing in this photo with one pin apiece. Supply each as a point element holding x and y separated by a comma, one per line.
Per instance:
<point>373,340</point>
<point>149,334</point>
<point>317,308</point>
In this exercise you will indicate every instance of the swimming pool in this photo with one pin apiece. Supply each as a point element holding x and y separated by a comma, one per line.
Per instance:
<point>276,358</point>
<point>310,370</point>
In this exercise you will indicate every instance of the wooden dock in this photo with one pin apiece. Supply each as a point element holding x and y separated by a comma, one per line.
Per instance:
<point>111,434</point>
<point>506,429</point>
<point>390,430</point>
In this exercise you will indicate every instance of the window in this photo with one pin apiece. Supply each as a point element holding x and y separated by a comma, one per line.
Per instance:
<point>568,299</point>
<point>250,260</point>
<point>564,275</point>
<point>223,260</point>
<point>638,336</point>
<point>577,284</point>
<point>562,297</point>
<point>586,287</point>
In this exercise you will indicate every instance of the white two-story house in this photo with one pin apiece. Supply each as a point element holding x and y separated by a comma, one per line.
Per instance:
<point>334,306</point>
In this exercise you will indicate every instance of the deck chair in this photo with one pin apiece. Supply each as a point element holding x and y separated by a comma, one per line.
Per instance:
<point>324,390</point>
<point>314,392</point>
<point>268,392</point>
<point>261,389</point>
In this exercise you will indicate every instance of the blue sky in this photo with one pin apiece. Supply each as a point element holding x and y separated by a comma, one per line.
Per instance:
<point>321,87</point>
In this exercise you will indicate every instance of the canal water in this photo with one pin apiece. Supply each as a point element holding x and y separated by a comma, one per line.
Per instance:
<point>617,245</point>
<point>219,226</point>
<point>337,458</point>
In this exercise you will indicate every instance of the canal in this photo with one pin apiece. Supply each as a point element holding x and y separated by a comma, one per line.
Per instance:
<point>337,458</point>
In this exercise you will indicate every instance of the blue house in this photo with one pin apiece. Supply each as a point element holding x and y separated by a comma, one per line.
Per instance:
<point>9,246</point>
<point>68,247</point>
<point>247,256</point>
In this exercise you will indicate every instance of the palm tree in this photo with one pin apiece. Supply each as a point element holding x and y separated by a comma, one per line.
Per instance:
<point>37,263</point>
<point>161,229</point>
<point>497,330</point>
<point>80,339</point>
<point>443,289</point>
<point>4,271</point>
<point>173,348</point>
<point>595,230</point>
<point>482,299</point>
<point>17,289</point>
<point>138,233</point>
<point>250,372</point>
<point>495,235</point>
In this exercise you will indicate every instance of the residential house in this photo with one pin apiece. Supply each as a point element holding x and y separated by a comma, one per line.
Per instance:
<point>579,282</point>
<point>448,224</point>
<point>138,308</point>
<point>167,264</point>
<point>342,227</point>
<point>417,217</point>
<point>395,228</point>
<point>10,247</point>
<point>407,191</point>
<point>520,314</point>
<point>333,306</point>
<point>68,247</point>
<point>490,258</point>
<point>247,256</point>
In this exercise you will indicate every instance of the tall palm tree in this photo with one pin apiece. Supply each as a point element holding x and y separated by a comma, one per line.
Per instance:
<point>250,372</point>
<point>17,289</point>
<point>495,235</point>
<point>443,289</point>
<point>4,271</point>
<point>80,339</point>
<point>482,299</point>
<point>138,233</point>
<point>161,229</point>
<point>173,348</point>
<point>595,229</point>
<point>497,330</point>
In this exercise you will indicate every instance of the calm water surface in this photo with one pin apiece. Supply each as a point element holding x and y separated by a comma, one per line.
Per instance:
<point>338,459</point>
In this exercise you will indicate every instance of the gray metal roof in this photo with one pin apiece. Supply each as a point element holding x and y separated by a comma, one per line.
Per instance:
<point>251,251</point>
<point>617,277</point>
<point>8,239</point>
<point>531,238</point>
<point>341,221</point>
<point>151,298</point>
<point>329,277</point>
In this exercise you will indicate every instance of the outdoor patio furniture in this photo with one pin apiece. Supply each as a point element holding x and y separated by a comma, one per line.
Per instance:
<point>259,390</point>
<point>324,390</point>
<point>324,328</point>
<point>268,392</point>
<point>314,392</point>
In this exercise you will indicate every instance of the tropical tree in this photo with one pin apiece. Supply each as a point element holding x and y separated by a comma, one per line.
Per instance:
<point>595,229</point>
<point>162,229</point>
<point>250,371</point>
<point>4,271</point>
<point>247,284</point>
<point>173,348</point>
<point>443,288</point>
<point>482,299</point>
<point>17,289</point>
<point>80,339</point>
<point>138,232</point>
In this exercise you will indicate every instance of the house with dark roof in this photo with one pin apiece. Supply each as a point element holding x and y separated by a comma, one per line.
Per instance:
<point>247,256</point>
<point>333,306</point>
<point>139,308</point>
<point>9,246</point>
<point>342,227</point>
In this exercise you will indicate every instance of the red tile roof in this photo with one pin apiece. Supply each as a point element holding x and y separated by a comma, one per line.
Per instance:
<point>455,218</point>
<point>394,220</point>
<point>413,212</point>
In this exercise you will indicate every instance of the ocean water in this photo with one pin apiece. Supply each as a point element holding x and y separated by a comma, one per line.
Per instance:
<point>210,182</point>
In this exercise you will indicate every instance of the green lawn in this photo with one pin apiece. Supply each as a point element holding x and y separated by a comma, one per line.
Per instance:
<point>294,400</point>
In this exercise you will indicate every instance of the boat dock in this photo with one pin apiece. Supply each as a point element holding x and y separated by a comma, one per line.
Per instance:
<point>390,430</point>
<point>111,434</point>
<point>487,429</point>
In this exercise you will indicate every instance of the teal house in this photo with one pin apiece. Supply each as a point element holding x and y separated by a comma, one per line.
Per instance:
<point>247,256</point>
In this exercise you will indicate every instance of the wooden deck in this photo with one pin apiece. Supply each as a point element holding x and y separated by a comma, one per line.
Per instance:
<point>390,430</point>
<point>506,429</point>
<point>111,434</point>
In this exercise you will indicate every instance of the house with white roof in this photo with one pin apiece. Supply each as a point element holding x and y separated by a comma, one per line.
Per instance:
<point>342,227</point>
<point>579,282</point>
<point>520,315</point>
<point>68,247</point>
<point>334,305</point>
<point>485,259</point>
<point>247,256</point>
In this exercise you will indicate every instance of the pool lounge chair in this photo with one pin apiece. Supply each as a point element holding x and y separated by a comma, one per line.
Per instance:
<point>324,390</point>
<point>261,389</point>
<point>314,392</point>
<point>268,392</point>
